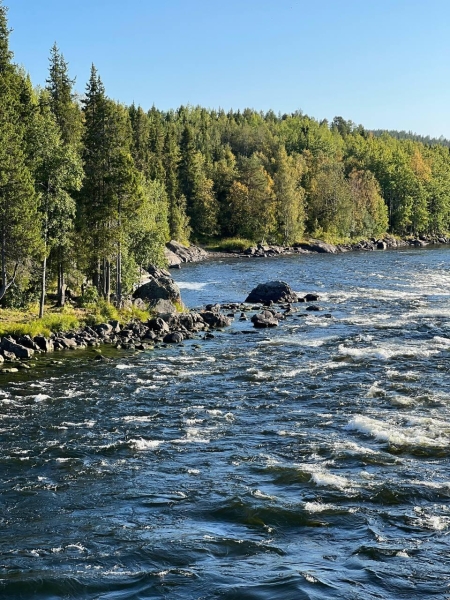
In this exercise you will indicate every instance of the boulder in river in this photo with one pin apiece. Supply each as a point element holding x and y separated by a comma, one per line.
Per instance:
<point>160,286</point>
<point>175,337</point>
<point>264,319</point>
<point>215,319</point>
<point>275,291</point>
<point>25,340</point>
<point>311,297</point>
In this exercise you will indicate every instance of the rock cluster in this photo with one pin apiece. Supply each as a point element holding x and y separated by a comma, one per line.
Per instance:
<point>318,246</point>
<point>136,335</point>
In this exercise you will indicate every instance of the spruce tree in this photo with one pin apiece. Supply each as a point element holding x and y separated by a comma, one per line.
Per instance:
<point>94,213</point>
<point>178,220</point>
<point>19,220</point>
<point>62,99</point>
<point>67,114</point>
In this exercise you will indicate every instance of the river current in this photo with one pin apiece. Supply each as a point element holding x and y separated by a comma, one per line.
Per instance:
<point>308,461</point>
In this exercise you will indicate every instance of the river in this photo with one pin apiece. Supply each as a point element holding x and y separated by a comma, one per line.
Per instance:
<point>309,461</point>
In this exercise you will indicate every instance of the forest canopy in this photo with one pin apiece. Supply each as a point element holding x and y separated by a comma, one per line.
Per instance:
<point>91,189</point>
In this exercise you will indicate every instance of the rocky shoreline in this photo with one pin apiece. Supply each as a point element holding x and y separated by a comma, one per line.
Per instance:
<point>16,352</point>
<point>177,254</point>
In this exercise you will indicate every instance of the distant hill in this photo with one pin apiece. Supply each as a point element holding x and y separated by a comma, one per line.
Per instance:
<point>409,135</point>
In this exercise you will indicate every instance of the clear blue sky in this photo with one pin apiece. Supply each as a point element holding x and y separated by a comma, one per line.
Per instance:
<point>382,63</point>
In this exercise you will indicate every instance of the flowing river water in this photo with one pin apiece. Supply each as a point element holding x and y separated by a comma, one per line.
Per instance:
<point>309,461</point>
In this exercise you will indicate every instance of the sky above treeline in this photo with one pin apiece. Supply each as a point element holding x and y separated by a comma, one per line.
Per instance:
<point>382,63</point>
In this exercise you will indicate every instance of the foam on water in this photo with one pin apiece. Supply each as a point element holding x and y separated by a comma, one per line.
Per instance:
<point>325,478</point>
<point>321,477</point>
<point>387,352</point>
<point>414,433</point>
<point>262,495</point>
<point>192,285</point>
<point>190,359</point>
<point>318,507</point>
<point>375,391</point>
<point>138,419</point>
<point>141,444</point>
<point>41,397</point>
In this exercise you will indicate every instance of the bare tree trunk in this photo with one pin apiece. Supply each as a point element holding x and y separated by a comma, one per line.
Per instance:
<point>119,276</point>
<point>107,281</point>
<point>61,285</point>
<point>103,282</point>
<point>4,276</point>
<point>96,278</point>
<point>43,287</point>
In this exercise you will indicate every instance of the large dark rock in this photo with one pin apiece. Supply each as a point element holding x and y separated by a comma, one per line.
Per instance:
<point>20,351</point>
<point>317,246</point>
<point>311,297</point>
<point>215,319</point>
<point>8,356</point>
<point>275,291</point>
<point>264,319</point>
<point>158,325</point>
<point>25,340</point>
<point>173,338</point>
<point>66,342</point>
<point>104,329</point>
<point>162,307</point>
<point>160,286</point>
<point>177,253</point>
<point>45,344</point>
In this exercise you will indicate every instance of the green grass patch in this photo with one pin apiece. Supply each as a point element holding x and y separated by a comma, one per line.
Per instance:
<point>231,245</point>
<point>18,323</point>
<point>52,322</point>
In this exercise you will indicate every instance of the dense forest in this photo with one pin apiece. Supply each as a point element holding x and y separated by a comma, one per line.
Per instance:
<point>91,190</point>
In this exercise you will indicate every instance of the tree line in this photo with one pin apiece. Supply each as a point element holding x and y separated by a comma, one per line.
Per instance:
<point>91,189</point>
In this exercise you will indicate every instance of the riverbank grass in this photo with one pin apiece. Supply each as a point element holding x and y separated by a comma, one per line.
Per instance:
<point>229,245</point>
<point>26,322</point>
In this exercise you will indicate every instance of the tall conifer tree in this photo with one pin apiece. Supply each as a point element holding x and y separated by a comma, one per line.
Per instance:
<point>67,114</point>
<point>19,222</point>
